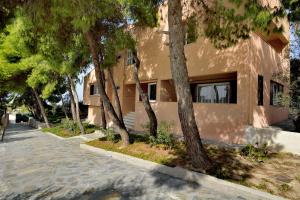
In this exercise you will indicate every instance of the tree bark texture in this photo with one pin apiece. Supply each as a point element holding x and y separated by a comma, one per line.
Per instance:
<point>92,43</point>
<point>72,101</point>
<point>117,99</point>
<point>102,110</point>
<point>42,109</point>
<point>4,124</point>
<point>64,106</point>
<point>144,97</point>
<point>79,123</point>
<point>179,72</point>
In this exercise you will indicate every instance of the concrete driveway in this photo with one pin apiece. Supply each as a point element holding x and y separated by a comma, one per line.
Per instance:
<point>34,165</point>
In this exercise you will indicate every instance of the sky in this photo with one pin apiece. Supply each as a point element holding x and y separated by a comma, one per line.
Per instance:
<point>79,85</point>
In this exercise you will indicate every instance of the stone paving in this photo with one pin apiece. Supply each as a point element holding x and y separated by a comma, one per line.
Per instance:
<point>34,165</point>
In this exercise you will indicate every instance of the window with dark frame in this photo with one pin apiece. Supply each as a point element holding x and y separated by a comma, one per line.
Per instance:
<point>220,92</point>
<point>152,91</point>
<point>260,90</point>
<point>92,89</point>
<point>130,60</point>
<point>276,89</point>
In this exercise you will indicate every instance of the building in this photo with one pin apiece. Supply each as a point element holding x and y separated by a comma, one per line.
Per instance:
<point>232,88</point>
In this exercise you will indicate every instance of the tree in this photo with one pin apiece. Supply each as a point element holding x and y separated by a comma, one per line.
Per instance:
<point>18,59</point>
<point>82,17</point>
<point>3,113</point>
<point>224,28</point>
<point>141,14</point>
<point>181,81</point>
<point>293,102</point>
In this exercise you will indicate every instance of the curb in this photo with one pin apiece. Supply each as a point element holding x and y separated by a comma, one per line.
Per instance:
<point>53,135</point>
<point>180,173</point>
<point>85,139</point>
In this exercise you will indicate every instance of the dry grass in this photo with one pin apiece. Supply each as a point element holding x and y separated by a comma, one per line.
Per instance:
<point>277,174</point>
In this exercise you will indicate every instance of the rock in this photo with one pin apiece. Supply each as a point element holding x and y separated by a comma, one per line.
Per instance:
<point>283,178</point>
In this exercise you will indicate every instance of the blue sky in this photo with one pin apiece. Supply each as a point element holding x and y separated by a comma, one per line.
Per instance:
<point>79,86</point>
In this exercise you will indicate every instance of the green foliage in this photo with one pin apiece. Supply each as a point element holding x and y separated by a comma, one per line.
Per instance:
<point>110,135</point>
<point>284,187</point>
<point>68,128</point>
<point>192,31</point>
<point>225,25</point>
<point>293,6</point>
<point>68,124</point>
<point>164,136</point>
<point>141,13</point>
<point>256,153</point>
<point>222,173</point>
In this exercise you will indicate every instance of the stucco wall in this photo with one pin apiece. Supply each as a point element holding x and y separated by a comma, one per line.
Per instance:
<point>224,122</point>
<point>266,62</point>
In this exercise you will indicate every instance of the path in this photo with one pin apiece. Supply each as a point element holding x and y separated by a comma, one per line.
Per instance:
<point>34,165</point>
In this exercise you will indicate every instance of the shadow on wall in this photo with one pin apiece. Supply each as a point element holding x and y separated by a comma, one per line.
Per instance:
<point>221,122</point>
<point>276,139</point>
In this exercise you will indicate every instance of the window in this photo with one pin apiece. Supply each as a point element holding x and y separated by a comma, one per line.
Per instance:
<point>275,91</point>
<point>94,90</point>
<point>152,91</point>
<point>130,60</point>
<point>260,90</point>
<point>224,92</point>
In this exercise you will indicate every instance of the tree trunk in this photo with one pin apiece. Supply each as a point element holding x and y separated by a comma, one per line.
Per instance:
<point>117,99</point>
<point>102,110</point>
<point>144,97</point>
<point>74,93</point>
<point>179,71</point>
<point>42,109</point>
<point>64,106</point>
<point>92,42</point>
<point>36,108</point>
<point>72,101</point>
<point>4,124</point>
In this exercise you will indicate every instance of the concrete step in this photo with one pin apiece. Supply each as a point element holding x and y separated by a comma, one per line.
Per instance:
<point>129,120</point>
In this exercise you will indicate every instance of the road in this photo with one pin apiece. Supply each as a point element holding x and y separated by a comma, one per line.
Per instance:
<point>35,165</point>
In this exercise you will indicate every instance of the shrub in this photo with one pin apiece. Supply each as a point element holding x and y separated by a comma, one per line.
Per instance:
<point>163,136</point>
<point>284,187</point>
<point>68,124</point>
<point>256,153</point>
<point>110,135</point>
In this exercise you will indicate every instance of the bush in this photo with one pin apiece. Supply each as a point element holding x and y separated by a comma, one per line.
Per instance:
<point>164,136</point>
<point>256,153</point>
<point>68,124</point>
<point>110,135</point>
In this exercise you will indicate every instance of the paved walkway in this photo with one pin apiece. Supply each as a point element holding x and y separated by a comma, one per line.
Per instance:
<point>34,165</point>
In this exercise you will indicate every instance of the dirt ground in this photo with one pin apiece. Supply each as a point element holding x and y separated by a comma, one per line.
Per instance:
<point>276,173</point>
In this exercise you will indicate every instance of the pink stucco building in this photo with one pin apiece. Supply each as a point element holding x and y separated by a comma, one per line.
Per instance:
<point>232,89</point>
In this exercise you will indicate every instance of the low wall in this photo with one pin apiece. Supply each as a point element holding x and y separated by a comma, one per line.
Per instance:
<point>36,124</point>
<point>277,139</point>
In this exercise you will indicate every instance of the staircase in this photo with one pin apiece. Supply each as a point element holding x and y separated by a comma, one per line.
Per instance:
<point>129,120</point>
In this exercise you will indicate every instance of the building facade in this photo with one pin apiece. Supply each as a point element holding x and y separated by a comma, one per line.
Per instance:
<point>232,88</point>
